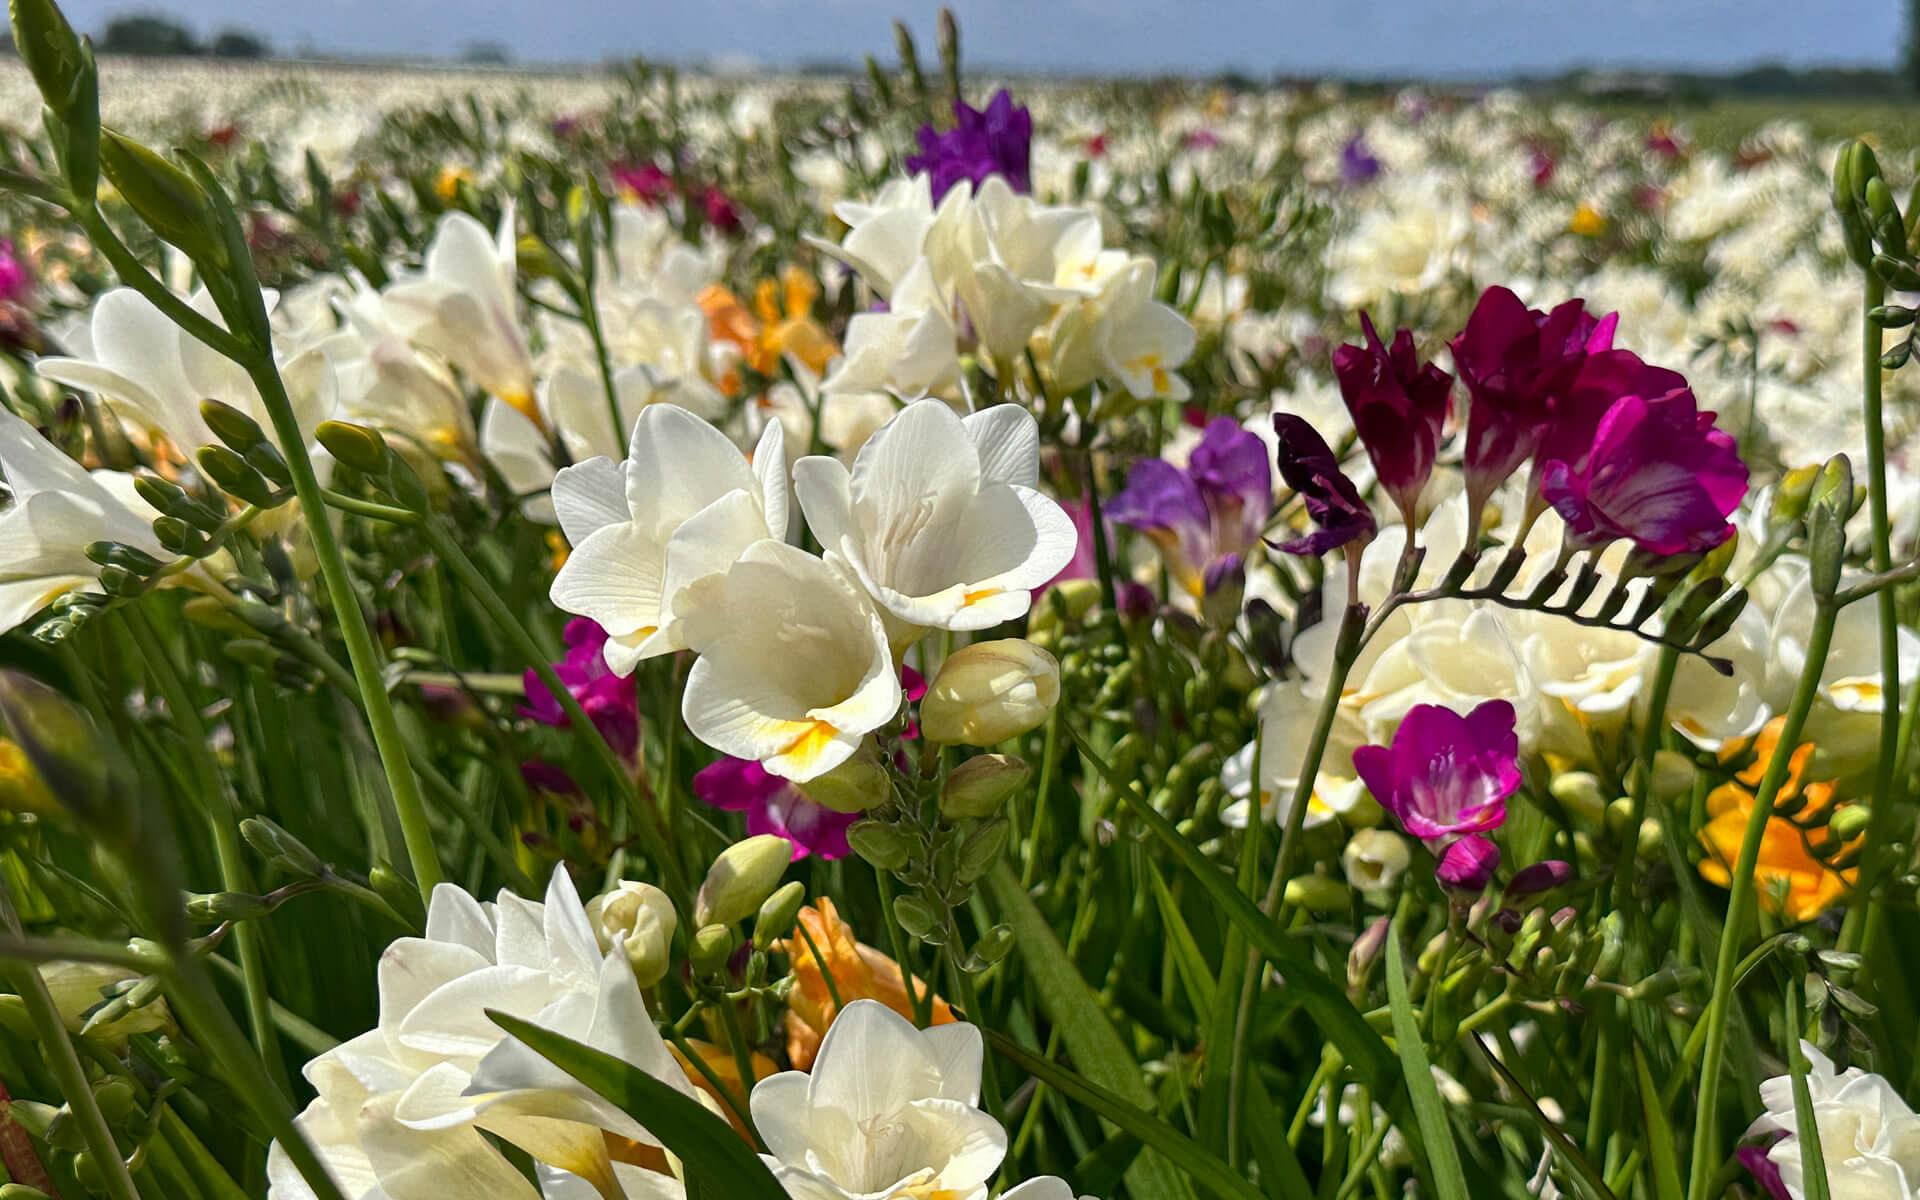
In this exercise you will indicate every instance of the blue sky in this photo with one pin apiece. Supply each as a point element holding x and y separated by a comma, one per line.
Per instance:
<point>1356,37</point>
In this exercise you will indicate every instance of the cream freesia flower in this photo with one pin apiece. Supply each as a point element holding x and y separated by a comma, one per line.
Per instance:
<point>462,306</point>
<point>401,1109</point>
<point>1870,1138</point>
<point>683,506</point>
<point>939,518</point>
<point>889,1112</point>
<point>794,666</point>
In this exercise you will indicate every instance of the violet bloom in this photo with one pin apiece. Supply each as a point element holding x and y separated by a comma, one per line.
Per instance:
<point>1216,506</point>
<point>1658,473</point>
<point>16,277</point>
<point>1307,466</point>
<point>995,141</point>
<point>1357,163</point>
<point>1445,776</point>
<point>1399,407</point>
<point>1517,362</point>
<point>607,698</point>
<point>773,805</point>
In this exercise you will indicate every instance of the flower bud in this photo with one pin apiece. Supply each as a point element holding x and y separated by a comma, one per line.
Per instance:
<point>72,761</point>
<point>1135,601</point>
<point>1365,953</point>
<point>231,474</point>
<point>989,692</point>
<point>742,877</point>
<point>1374,859</point>
<point>879,844</point>
<point>1580,792</point>
<point>357,446</point>
<point>639,919</point>
<point>1225,583</point>
<point>1827,512</point>
<point>167,199</point>
<point>50,49</point>
<point>230,425</point>
<point>286,852</point>
<point>776,917</point>
<point>982,785</point>
<point>211,907</point>
<point>1791,494</point>
<point>1673,774</point>
<point>711,948</point>
<point>1468,865</point>
<point>1850,821</point>
<point>855,786</point>
<point>1317,893</point>
<point>21,1191</point>
<point>982,849</point>
<point>1540,877</point>
<point>79,989</point>
<point>21,788</point>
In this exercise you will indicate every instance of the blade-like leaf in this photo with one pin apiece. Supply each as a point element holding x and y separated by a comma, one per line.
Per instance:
<point>1661,1156</point>
<point>1583,1168</point>
<point>1429,1111</point>
<point>1178,1149</point>
<point>718,1164</point>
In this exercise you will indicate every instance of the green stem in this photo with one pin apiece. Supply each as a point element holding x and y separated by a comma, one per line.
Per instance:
<point>1347,645</point>
<point>1814,1158</point>
<point>1740,902</point>
<point>1627,860</point>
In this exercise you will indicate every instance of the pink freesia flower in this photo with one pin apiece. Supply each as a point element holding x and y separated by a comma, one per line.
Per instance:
<point>645,182</point>
<point>1468,864</point>
<point>607,698</point>
<point>1658,474</point>
<point>774,805</point>
<point>1445,776</point>
<point>1399,407</point>
<point>16,277</point>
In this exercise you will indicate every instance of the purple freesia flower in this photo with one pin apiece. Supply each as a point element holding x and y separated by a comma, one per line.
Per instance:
<point>1658,473</point>
<point>607,698</point>
<point>16,277</point>
<point>1517,363</point>
<point>1445,776</point>
<point>1601,381</point>
<point>1357,163</point>
<point>1399,407</point>
<point>1468,864</point>
<point>773,805</point>
<point>1216,506</point>
<point>1765,1172</point>
<point>995,141</point>
<point>1340,517</point>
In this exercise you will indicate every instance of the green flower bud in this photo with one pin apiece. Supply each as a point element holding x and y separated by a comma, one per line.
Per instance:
<point>711,949</point>
<point>1673,774</point>
<point>981,850</point>
<point>993,945</point>
<point>51,51</point>
<point>909,58</point>
<point>179,537</point>
<point>285,851</point>
<point>230,425</point>
<point>127,558</point>
<point>981,786</point>
<point>1828,509</point>
<point>231,474</point>
<point>639,918</point>
<point>211,907</point>
<point>20,1191</point>
<point>856,785</point>
<point>401,893</point>
<point>916,916</point>
<point>167,199</point>
<point>990,691</point>
<point>777,916</point>
<point>1317,893</point>
<point>742,878</point>
<point>534,259</point>
<point>880,844</point>
<point>1850,822</point>
<point>357,446</point>
<point>1580,792</point>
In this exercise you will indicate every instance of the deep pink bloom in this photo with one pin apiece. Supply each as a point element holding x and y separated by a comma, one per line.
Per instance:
<point>16,277</point>
<point>773,805</point>
<point>1517,364</point>
<point>1216,506</point>
<point>1085,561</point>
<point>1765,1173</point>
<point>607,698</point>
<point>1658,473</point>
<point>1467,865</point>
<point>1306,464</point>
<point>1600,382</point>
<point>1445,776</point>
<point>1399,407</point>
<point>722,213</point>
<point>645,181</point>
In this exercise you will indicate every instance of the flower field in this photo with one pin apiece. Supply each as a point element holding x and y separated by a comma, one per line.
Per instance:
<point>919,637</point>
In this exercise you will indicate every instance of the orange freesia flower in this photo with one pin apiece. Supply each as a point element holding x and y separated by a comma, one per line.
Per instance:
<point>1587,221</point>
<point>780,323</point>
<point>859,973</point>
<point>1792,880</point>
<point>447,184</point>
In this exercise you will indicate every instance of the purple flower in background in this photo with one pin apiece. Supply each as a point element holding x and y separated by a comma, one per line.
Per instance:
<point>16,277</point>
<point>1445,776</point>
<point>773,805</point>
<point>1658,473</point>
<point>1468,864</point>
<point>995,141</point>
<point>1765,1173</point>
<point>1215,507</point>
<point>1517,362</point>
<point>1357,163</point>
<point>1202,139</point>
<point>1399,407</point>
<point>1307,466</point>
<point>1540,877</point>
<point>606,697</point>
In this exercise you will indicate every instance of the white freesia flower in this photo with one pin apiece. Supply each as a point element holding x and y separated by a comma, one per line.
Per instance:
<point>1869,1137</point>
<point>885,235</point>
<point>386,382</point>
<point>939,518</point>
<point>154,375</point>
<point>401,1108</point>
<point>1125,335</point>
<point>462,306</point>
<point>906,351</point>
<point>683,505</point>
<point>794,666</point>
<point>56,510</point>
<point>889,1112</point>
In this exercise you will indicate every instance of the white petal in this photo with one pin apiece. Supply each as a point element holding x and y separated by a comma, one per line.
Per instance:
<point>589,495</point>
<point>1008,441</point>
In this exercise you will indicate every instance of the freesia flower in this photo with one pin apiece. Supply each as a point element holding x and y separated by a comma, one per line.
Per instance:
<point>683,506</point>
<point>607,697</point>
<point>1791,879</point>
<point>401,1109</point>
<point>16,276</point>
<point>794,668</point>
<point>1468,864</point>
<point>887,1111</point>
<point>1659,474</point>
<point>462,306</point>
<point>1869,1137</point>
<point>1213,508</point>
<point>1308,467</point>
<point>993,141</point>
<point>1399,407</point>
<point>1357,163</point>
<point>939,519</point>
<point>859,972</point>
<point>774,805</point>
<point>1446,775</point>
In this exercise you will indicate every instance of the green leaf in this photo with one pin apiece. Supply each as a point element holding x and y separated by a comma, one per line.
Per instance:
<point>1428,1109</point>
<point>1091,1039</point>
<point>718,1164</point>
<point>1187,959</point>
<point>1176,1147</point>
<point>1588,1175</point>
<point>1661,1155</point>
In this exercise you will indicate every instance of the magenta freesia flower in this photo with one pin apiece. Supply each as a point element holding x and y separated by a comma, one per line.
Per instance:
<point>1339,516</point>
<point>16,277</point>
<point>1467,865</point>
<point>1658,473</point>
<point>774,805</point>
<point>644,181</point>
<point>607,698</point>
<point>1399,407</point>
<point>1216,506</point>
<point>1517,363</point>
<point>997,140</point>
<point>1445,776</point>
<point>721,212</point>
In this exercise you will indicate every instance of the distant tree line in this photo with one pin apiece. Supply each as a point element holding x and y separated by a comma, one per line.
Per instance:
<point>152,33</point>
